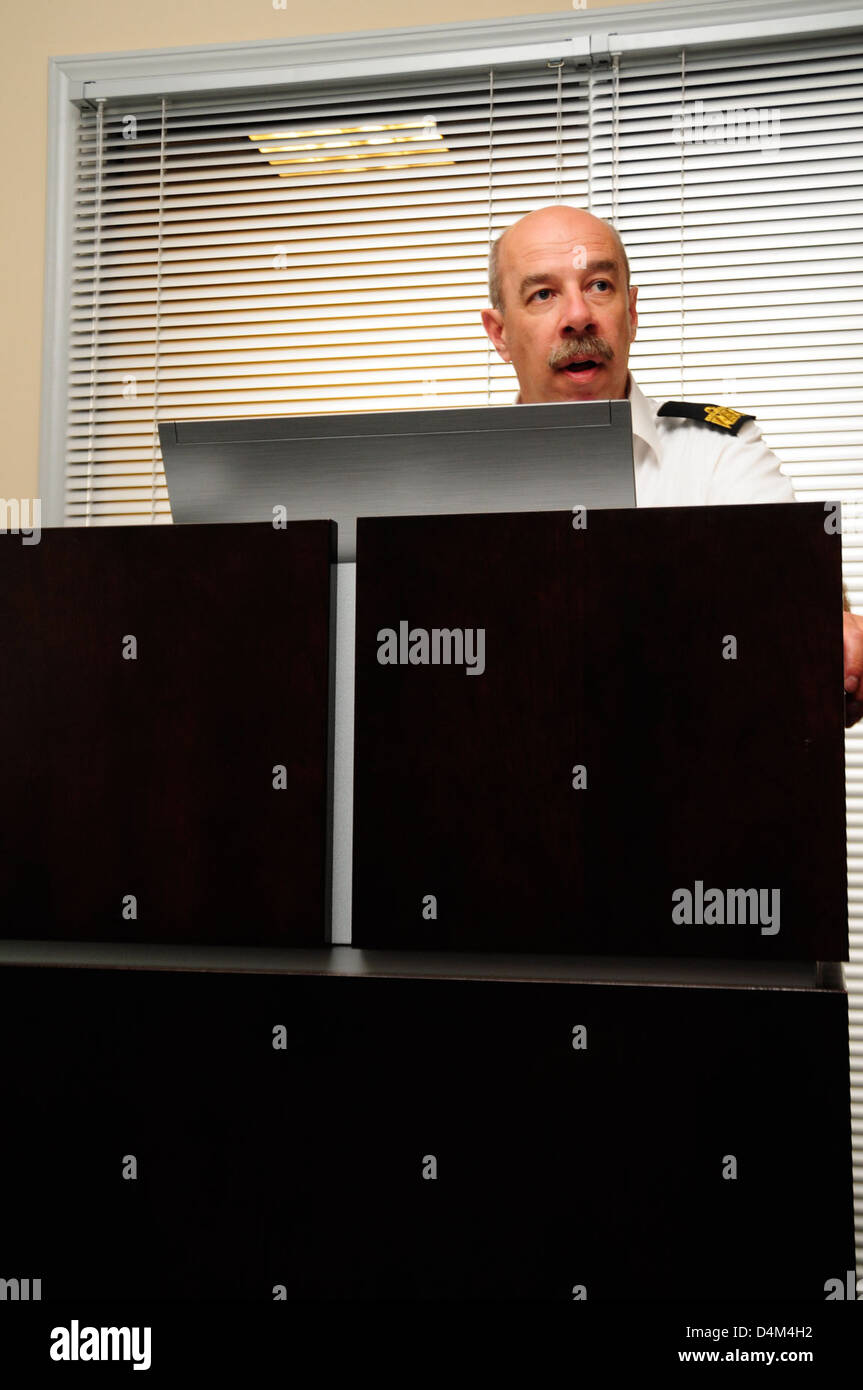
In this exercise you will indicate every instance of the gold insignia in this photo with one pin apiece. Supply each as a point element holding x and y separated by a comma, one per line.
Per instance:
<point>721,415</point>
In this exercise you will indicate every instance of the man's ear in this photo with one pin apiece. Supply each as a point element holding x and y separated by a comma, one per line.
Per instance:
<point>633,312</point>
<point>492,322</point>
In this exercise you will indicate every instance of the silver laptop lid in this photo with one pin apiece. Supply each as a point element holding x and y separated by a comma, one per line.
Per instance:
<point>509,458</point>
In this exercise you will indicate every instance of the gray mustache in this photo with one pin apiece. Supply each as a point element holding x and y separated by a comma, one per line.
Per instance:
<point>586,347</point>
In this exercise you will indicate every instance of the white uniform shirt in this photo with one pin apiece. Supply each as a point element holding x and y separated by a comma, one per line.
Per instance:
<point>683,463</point>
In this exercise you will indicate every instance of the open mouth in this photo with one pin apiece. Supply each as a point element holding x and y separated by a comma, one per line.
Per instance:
<point>580,368</point>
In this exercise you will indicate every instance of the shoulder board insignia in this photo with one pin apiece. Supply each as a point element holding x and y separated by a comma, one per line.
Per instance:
<point>719,417</point>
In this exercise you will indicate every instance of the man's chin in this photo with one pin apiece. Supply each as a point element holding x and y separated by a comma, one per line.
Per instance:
<point>582,386</point>
<point>562,385</point>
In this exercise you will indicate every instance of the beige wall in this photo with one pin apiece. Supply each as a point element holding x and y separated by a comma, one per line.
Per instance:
<point>36,30</point>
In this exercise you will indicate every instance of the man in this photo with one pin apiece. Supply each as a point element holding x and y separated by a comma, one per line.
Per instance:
<point>564,314</point>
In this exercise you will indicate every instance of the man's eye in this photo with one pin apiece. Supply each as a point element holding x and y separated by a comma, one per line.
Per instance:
<point>606,283</point>
<point>545,290</point>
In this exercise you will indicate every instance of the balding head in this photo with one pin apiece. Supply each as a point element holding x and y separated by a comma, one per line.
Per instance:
<point>500,250</point>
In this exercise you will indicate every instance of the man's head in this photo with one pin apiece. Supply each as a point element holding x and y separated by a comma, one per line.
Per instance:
<point>559,286</point>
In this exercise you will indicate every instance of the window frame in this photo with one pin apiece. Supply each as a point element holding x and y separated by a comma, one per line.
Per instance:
<point>76,80</point>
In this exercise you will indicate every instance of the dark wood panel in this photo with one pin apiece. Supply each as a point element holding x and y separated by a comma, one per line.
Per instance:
<point>604,648</point>
<point>153,776</point>
<point>600,1166</point>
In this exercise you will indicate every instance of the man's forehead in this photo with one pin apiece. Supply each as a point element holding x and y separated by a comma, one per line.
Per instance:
<point>528,247</point>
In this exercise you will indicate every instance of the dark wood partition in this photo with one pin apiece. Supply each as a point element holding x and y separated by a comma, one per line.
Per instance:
<point>152,777</point>
<point>654,743</point>
<point>421,1138</point>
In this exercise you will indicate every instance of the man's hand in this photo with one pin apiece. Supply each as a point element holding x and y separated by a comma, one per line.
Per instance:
<point>853,641</point>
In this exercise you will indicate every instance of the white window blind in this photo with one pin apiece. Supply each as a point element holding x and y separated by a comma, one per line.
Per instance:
<point>211,282</point>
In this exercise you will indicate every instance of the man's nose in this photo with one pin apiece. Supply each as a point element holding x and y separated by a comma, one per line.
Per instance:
<point>574,312</point>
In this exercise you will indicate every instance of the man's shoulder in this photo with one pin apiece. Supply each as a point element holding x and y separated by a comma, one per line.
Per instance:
<point>710,415</point>
<point>701,426</point>
<point>706,429</point>
<point>711,452</point>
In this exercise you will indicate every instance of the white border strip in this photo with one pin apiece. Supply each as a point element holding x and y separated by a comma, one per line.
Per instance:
<point>56,318</point>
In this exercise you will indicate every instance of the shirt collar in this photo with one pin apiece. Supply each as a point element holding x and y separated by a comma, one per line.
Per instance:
<point>643,415</point>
